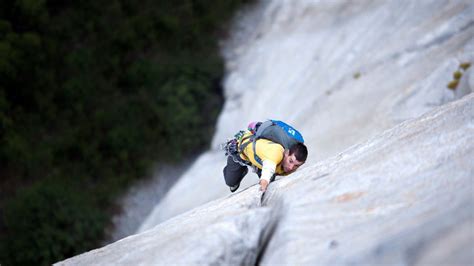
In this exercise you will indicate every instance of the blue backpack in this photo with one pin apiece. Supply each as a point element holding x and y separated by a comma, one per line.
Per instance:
<point>274,130</point>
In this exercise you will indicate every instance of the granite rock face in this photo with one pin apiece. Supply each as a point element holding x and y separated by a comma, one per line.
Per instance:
<point>390,174</point>
<point>339,71</point>
<point>404,197</point>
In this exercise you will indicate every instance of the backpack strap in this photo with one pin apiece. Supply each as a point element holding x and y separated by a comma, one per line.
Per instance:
<point>255,156</point>
<point>243,144</point>
<point>232,149</point>
<point>253,139</point>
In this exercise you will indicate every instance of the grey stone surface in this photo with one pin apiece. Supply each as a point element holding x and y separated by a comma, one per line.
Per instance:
<point>390,175</point>
<point>339,71</point>
<point>387,197</point>
<point>142,197</point>
<point>404,197</point>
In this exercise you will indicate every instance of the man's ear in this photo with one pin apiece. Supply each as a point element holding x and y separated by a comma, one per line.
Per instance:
<point>287,152</point>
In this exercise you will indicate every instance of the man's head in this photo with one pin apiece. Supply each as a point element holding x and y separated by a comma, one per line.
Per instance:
<point>294,157</point>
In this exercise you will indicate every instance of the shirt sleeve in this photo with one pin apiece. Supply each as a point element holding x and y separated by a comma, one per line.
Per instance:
<point>268,169</point>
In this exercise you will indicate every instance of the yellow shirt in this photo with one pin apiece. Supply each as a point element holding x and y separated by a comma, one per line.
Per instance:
<point>266,150</point>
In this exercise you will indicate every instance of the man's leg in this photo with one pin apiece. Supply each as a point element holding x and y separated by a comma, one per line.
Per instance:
<point>234,172</point>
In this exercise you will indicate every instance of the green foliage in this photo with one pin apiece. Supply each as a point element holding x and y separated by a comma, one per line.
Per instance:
<point>50,221</point>
<point>92,93</point>
<point>465,65</point>
<point>453,84</point>
<point>457,75</point>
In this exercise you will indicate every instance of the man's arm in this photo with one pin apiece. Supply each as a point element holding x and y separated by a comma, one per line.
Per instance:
<point>268,169</point>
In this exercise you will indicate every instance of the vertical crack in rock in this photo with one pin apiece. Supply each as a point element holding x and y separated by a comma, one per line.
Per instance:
<point>260,218</point>
<point>273,203</point>
<point>269,230</point>
<point>266,235</point>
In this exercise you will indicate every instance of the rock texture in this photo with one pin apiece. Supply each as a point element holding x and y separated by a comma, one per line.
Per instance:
<point>339,71</point>
<point>390,177</point>
<point>405,197</point>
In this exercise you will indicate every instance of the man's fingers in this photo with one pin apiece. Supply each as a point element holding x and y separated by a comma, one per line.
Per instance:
<point>263,185</point>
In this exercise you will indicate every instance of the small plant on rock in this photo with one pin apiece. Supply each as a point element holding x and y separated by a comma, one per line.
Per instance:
<point>457,75</point>
<point>465,65</point>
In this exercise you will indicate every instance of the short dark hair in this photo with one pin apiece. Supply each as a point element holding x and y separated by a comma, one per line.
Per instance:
<point>300,151</point>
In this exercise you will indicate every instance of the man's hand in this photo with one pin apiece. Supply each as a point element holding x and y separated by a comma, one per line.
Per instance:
<point>263,185</point>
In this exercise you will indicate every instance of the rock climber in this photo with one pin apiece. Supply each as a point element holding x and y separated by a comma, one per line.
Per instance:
<point>271,148</point>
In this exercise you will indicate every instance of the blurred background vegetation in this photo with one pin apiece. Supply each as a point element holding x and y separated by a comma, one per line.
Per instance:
<point>91,94</point>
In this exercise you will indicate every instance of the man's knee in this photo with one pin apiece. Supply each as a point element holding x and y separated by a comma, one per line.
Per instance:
<point>234,173</point>
<point>228,177</point>
<point>232,178</point>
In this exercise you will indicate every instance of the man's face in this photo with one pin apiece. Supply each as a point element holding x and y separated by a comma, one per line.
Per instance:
<point>290,163</point>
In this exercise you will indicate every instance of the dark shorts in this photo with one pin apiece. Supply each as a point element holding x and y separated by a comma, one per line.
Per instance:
<point>234,172</point>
